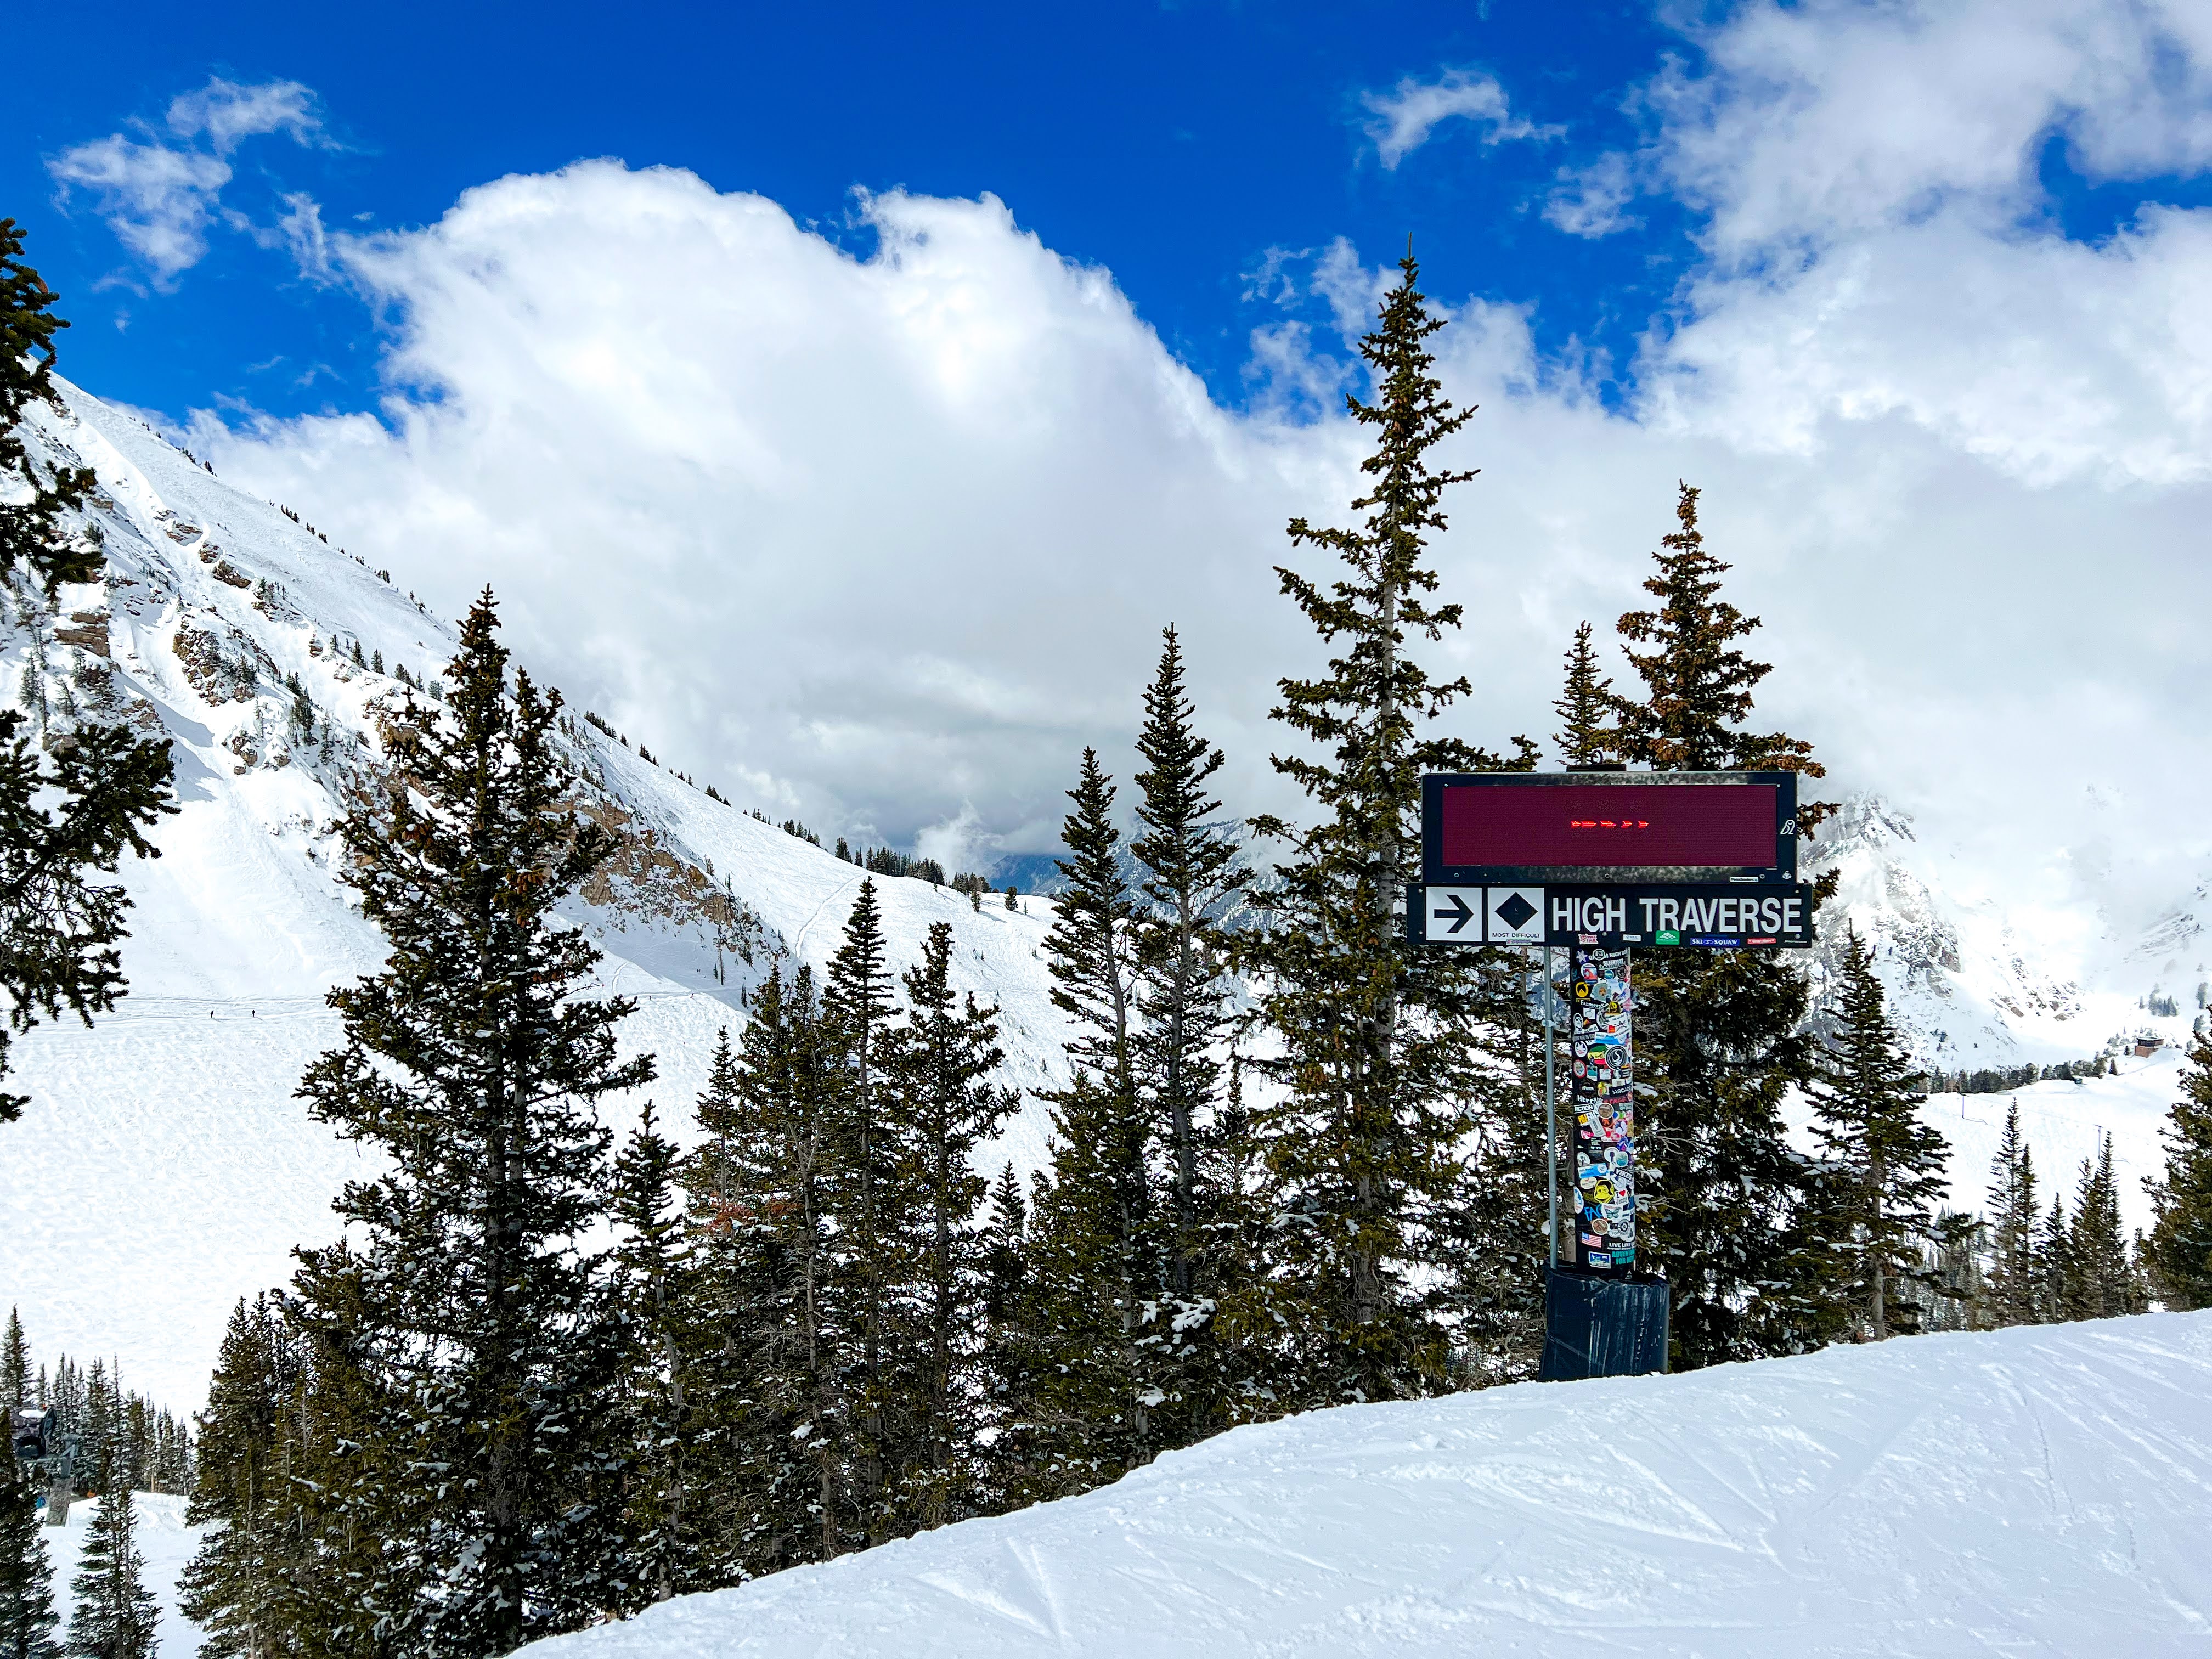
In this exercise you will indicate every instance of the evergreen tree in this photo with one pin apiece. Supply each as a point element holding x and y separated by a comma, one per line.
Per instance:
<point>1088,947</point>
<point>66,818</point>
<point>31,531</point>
<point>487,1346</point>
<point>2014,1291</point>
<point>27,1580</point>
<point>1099,1245</point>
<point>232,1588</point>
<point>1887,1163</point>
<point>2180,1244</point>
<point>864,1198</point>
<point>941,1103</point>
<point>14,1364</point>
<point>2100,1283</point>
<point>656,1271</point>
<point>1722,1203</point>
<point>1007,1372</point>
<point>96,1424</point>
<point>114,1615</point>
<point>2054,1256</point>
<point>1377,1053</point>
<point>1585,708</point>
<point>1095,1261</point>
<point>1192,876</point>
<point>787,1482</point>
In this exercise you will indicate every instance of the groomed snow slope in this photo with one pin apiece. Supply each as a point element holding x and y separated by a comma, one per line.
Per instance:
<point>2026,1491</point>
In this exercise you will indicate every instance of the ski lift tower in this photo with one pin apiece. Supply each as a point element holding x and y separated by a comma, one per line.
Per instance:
<point>1599,863</point>
<point>41,1444</point>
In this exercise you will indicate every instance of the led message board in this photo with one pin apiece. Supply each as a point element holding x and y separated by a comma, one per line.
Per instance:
<point>1609,828</point>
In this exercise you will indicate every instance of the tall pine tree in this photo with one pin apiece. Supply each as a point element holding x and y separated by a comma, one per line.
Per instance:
<point>2180,1244</point>
<point>863,1196</point>
<point>664,1512</point>
<point>1192,876</point>
<point>2099,1280</point>
<point>1885,1169</point>
<point>14,1364</point>
<point>2014,1296</point>
<point>778,1441</point>
<point>1719,1035</point>
<point>234,1589</point>
<point>1375,1054</point>
<point>1100,1242</point>
<point>1585,708</point>
<point>473,1063</point>
<point>27,1579</point>
<point>114,1616</point>
<point>942,1101</point>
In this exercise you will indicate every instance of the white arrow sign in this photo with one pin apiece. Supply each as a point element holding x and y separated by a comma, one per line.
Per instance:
<point>1454,915</point>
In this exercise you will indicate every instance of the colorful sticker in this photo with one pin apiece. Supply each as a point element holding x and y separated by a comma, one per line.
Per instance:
<point>1599,1038</point>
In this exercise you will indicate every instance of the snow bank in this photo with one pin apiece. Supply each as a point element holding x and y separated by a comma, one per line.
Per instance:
<point>2032,1492</point>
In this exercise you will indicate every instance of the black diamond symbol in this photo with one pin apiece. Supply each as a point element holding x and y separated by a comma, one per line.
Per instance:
<point>1515,911</point>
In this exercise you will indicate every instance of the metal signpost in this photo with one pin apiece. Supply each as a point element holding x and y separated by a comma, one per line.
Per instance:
<point>1600,862</point>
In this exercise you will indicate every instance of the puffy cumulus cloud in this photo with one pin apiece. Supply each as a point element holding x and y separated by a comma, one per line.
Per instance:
<point>874,538</point>
<point>886,540</point>
<point>160,197</point>
<point>1883,246</point>
<point>1808,122</point>
<point>1400,121</point>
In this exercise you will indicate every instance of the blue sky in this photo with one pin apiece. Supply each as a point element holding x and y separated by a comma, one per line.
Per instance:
<point>1177,146</point>
<point>872,512</point>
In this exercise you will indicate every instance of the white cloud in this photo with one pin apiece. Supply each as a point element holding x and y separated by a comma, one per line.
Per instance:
<point>157,200</point>
<point>1880,244</point>
<point>225,112</point>
<point>890,538</point>
<point>1400,121</point>
<point>896,533</point>
<point>160,198</point>
<point>1591,201</point>
<point>1823,119</point>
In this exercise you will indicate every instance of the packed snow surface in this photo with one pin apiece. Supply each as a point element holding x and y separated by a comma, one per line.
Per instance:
<point>2035,1491</point>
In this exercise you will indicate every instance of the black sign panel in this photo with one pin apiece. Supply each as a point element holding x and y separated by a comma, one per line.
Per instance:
<point>1709,916</point>
<point>1531,828</point>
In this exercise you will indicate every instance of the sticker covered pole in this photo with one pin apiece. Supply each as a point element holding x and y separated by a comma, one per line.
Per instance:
<point>1551,1116</point>
<point>1602,1090</point>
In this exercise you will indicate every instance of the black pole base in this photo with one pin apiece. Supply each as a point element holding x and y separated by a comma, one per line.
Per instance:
<point>1597,1326</point>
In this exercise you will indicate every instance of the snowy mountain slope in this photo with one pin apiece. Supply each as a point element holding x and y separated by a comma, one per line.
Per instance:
<point>1963,985</point>
<point>2029,1491</point>
<point>2063,1123</point>
<point>1969,991</point>
<point>163,1168</point>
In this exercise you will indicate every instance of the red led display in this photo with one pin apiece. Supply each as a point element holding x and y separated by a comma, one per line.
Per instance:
<point>1717,826</point>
